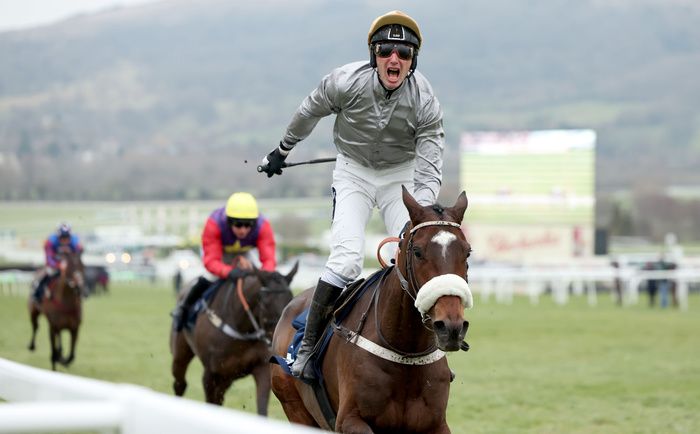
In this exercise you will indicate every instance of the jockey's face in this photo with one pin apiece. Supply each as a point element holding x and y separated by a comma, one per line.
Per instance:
<point>242,228</point>
<point>64,241</point>
<point>392,69</point>
<point>241,232</point>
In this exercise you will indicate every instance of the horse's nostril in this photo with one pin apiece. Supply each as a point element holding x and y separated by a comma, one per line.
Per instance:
<point>465,326</point>
<point>439,326</point>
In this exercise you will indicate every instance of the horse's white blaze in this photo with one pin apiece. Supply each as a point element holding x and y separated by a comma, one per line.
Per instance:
<point>438,286</point>
<point>444,238</point>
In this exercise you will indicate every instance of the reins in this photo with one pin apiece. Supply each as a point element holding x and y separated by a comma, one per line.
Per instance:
<point>246,307</point>
<point>218,322</point>
<point>391,353</point>
<point>379,249</point>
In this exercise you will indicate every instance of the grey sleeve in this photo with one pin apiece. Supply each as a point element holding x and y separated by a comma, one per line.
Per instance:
<point>320,103</point>
<point>430,144</point>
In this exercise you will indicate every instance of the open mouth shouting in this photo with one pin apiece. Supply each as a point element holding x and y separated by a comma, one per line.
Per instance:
<point>392,75</point>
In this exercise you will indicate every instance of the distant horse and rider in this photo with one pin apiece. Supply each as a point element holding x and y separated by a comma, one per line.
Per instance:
<point>96,279</point>
<point>57,292</point>
<point>61,304</point>
<point>231,334</point>
<point>384,367</point>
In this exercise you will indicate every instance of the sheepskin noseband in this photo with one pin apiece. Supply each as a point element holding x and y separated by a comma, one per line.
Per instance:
<point>438,286</point>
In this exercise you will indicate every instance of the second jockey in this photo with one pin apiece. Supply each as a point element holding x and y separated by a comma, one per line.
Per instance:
<point>229,235</point>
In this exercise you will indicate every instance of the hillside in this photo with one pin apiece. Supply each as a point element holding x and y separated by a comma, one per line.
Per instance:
<point>181,99</point>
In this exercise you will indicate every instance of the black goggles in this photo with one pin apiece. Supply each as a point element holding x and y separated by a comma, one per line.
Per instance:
<point>384,49</point>
<point>242,223</point>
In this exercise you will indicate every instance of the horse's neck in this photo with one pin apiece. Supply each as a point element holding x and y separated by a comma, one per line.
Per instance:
<point>62,289</point>
<point>229,307</point>
<point>400,321</point>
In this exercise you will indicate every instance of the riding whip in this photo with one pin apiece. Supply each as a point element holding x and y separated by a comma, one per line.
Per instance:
<point>299,163</point>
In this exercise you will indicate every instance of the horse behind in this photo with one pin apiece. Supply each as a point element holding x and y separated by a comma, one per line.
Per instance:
<point>232,334</point>
<point>385,369</point>
<point>62,307</point>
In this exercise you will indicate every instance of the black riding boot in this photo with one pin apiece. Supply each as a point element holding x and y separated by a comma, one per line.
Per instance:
<point>322,302</point>
<point>180,312</point>
<point>40,288</point>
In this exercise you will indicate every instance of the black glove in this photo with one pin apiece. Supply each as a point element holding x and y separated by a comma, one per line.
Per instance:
<point>273,163</point>
<point>237,273</point>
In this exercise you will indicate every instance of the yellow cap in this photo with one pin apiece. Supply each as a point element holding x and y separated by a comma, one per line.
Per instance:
<point>394,17</point>
<point>242,206</point>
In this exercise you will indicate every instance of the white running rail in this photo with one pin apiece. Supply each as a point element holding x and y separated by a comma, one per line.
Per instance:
<point>503,282</point>
<point>45,401</point>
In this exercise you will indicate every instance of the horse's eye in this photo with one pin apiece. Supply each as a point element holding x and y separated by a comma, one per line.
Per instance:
<point>418,254</point>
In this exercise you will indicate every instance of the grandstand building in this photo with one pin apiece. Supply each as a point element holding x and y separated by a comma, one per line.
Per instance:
<point>531,194</point>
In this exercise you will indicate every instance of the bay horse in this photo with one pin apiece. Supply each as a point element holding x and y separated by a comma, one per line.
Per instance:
<point>62,306</point>
<point>232,335</point>
<point>398,380</point>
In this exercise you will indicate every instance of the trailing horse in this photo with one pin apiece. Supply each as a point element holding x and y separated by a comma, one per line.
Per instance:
<point>384,369</point>
<point>62,307</point>
<point>231,335</point>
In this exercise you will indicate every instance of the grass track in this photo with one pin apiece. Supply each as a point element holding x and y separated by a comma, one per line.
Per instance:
<point>532,369</point>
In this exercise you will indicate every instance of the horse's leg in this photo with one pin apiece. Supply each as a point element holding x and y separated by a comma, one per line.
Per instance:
<point>34,318</point>
<point>673,288</point>
<point>55,341</point>
<point>261,374</point>
<point>73,341</point>
<point>59,345</point>
<point>618,293</point>
<point>286,392</point>
<point>182,356</point>
<point>215,386</point>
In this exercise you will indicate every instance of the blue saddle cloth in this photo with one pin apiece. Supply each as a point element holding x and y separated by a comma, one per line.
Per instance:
<point>299,323</point>
<point>198,306</point>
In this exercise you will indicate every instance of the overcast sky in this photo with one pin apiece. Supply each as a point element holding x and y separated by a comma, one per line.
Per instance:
<point>20,14</point>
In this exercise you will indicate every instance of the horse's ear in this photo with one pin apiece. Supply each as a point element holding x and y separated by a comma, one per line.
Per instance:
<point>412,206</point>
<point>460,206</point>
<point>292,272</point>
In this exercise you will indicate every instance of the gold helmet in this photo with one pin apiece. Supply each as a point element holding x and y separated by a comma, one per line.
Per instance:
<point>242,206</point>
<point>384,22</point>
<point>394,26</point>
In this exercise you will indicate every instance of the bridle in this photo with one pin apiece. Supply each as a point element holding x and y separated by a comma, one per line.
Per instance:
<point>412,282</point>
<point>258,333</point>
<point>264,290</point>
<point>263,311</point>
<point>389,352</point>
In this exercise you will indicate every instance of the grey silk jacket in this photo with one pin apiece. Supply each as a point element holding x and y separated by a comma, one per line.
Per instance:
<point>375,130</point>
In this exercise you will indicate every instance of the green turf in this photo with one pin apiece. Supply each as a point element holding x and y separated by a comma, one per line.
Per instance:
<point>531,369</point>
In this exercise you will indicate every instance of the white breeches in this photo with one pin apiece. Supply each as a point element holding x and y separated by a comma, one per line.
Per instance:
<point>357,191</point>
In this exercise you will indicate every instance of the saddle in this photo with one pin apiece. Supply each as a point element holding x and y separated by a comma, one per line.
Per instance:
<point>200,304</point>
<point>49,286</point>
